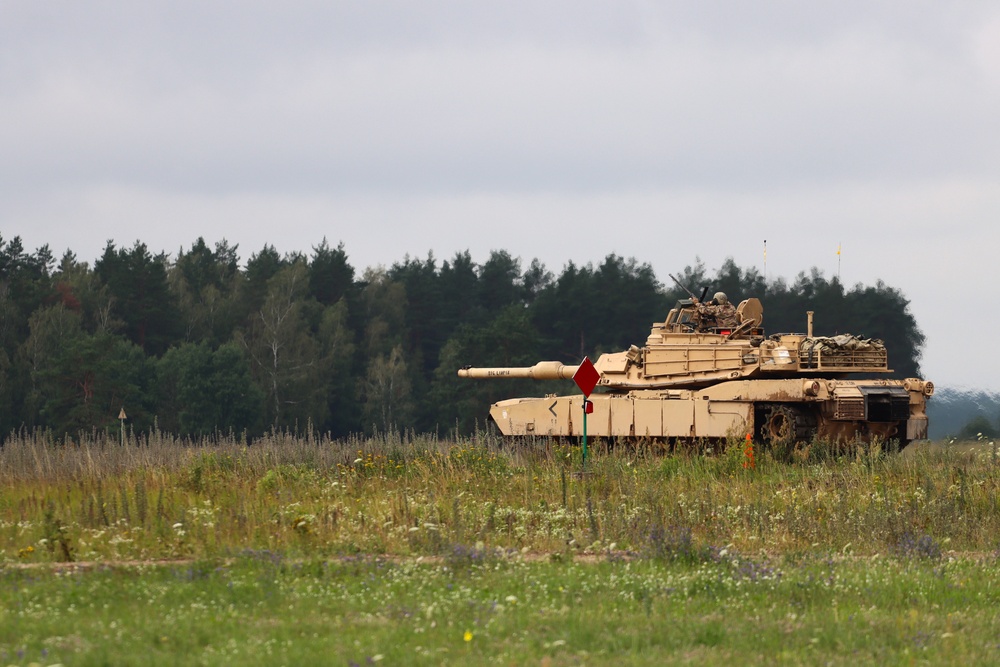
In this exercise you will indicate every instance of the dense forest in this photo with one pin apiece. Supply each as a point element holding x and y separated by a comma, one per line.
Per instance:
<point>201,342</point>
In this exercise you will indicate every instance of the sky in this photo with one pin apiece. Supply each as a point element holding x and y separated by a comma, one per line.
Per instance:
<point>670,132</point>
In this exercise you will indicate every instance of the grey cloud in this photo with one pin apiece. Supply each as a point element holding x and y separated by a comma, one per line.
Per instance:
<point>563,130</point>
<point>385,94</point>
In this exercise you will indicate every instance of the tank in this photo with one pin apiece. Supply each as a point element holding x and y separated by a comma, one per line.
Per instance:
<point>696,380</point>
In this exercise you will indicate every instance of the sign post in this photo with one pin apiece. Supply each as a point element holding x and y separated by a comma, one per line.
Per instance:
<point>121,418</point>
<point>586,378</point>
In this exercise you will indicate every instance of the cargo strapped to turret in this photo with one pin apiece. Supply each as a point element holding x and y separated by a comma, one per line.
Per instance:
<point>843,351</point>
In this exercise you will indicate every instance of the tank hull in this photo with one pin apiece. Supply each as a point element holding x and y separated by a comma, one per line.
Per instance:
<point>773,411</point>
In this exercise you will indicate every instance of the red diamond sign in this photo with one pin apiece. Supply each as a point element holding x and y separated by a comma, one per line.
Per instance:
<point>586,376</point>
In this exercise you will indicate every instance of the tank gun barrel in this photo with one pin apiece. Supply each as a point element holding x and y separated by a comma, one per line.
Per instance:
<point>543,370</point>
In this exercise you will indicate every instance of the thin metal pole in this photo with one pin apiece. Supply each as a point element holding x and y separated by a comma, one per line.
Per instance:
<point>584,431</point>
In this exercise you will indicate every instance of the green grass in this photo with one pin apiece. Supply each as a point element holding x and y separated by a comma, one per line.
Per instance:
<point>263,609</point>
<point>303,550</point>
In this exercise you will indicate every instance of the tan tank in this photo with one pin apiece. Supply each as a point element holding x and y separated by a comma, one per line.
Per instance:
<point>693,380</point>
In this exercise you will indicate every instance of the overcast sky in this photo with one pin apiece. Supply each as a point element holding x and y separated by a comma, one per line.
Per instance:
<point>664,131</point>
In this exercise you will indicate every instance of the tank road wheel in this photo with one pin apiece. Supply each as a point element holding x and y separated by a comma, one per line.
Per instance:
<point>784,426</point>
<point>779,426</point>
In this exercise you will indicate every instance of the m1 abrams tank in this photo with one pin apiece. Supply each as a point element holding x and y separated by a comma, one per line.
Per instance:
<point>692,380</point>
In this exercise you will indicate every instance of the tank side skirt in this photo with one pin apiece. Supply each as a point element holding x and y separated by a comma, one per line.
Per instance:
<point>713,412</point>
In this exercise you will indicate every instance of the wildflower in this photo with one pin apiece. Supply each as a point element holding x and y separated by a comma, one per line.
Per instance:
<point>468,636</point>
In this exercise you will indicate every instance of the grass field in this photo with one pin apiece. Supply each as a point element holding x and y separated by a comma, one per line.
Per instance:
<point>416,550</point>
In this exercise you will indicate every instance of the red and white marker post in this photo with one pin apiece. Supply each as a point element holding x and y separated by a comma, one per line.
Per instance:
<point>586,378</point>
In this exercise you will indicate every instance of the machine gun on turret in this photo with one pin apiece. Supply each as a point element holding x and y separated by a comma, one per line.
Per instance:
<point>694,299</point>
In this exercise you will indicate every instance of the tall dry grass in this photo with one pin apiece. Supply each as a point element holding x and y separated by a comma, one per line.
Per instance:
<point>163,497</point>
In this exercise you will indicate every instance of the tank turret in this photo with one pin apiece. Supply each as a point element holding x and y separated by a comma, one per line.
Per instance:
<point>698,378</point>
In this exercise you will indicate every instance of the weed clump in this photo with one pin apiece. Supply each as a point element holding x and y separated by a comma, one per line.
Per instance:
<point>463,557</point>
<point>56,538</point>
<point>910,547</point>
<point>675,544</point>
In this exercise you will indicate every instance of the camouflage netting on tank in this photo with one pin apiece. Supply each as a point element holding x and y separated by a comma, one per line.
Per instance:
<point>845,350</point>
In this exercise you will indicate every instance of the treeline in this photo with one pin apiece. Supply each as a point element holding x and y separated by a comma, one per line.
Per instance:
<point>196,344</point>
<point>967,414</point>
